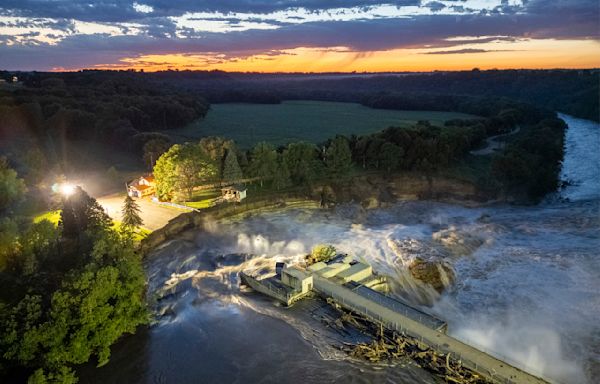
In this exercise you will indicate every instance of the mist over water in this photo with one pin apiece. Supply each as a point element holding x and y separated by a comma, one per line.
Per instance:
<point>527,287</point>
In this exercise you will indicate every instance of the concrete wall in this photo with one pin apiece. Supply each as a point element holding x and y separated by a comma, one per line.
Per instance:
<point>190,220</point>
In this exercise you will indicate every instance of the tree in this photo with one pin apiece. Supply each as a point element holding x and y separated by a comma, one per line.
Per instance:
<point>281,175</point>
<point>90,310</point>
<point>302,162</point>
<point>81,213</point>
<point>321,252</point>
<point>391,156</point>
<point>180,169</point>
<point>35,161</point>
<point>232,173</point>
<point>131,214</point>
<point>263,162</point>
<point>338,157</point>
<point>216,148</point>
<point>12,188</point>
<point>153,149</point>
<point>113,176</point>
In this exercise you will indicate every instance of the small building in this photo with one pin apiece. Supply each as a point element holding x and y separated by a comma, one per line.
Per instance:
<point>15,79</point>
<point>142,187</point>
<point>234,193</point>
<point>300,281</point>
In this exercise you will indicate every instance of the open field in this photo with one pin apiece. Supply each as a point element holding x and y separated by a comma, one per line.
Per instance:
<point>313,121</point>
<point>203,198</point>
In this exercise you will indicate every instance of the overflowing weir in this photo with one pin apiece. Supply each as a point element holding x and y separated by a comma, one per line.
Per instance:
<point>354,287</point>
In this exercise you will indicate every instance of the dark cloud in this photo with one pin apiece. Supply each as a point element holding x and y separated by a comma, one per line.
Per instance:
<point>543,19</point>
<point>124,11</point>
<point>463,51</point>
<point>435,6</point>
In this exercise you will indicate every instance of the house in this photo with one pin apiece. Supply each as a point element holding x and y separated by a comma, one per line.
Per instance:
<point>142,187</point>
<point>234,193</point>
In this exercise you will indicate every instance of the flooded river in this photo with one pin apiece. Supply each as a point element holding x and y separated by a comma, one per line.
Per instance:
<point>527,288</point>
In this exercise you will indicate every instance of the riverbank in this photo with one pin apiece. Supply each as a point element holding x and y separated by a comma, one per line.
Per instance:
<point>370,191</point>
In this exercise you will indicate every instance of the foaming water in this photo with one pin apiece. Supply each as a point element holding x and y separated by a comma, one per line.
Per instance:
<point>525,289</point>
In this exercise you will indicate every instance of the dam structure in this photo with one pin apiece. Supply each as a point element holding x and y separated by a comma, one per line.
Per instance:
<point>355,287</point>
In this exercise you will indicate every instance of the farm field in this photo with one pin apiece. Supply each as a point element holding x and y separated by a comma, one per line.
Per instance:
<point>313,121</point>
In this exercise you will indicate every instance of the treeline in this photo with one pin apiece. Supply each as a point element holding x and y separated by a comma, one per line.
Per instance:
<point>116,110</point>
<point>575,92</point>
<point>67,291</point>
<point>528,168</point>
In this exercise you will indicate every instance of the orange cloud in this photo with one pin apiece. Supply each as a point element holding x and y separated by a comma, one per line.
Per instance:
<point>540,54</point>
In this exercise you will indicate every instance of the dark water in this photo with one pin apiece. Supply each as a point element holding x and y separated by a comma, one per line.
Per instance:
<point>528,289</point>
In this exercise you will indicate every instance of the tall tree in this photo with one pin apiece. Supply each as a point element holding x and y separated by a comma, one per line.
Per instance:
<point>216,148</point>
<point>153,149</point>
<point>281,176</point>
<point>180,169</point>
<point>36,164</point>
<point>338,157</point>
<point>81,213</point>
<point>131,214</point>
<point>390,156</point>
<point>302,160</point>
<point>12,188</point>
<point>232,173</point>
<point>263,162</point>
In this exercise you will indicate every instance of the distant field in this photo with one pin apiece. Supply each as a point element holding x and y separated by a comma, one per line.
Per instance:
<point>313,121</point>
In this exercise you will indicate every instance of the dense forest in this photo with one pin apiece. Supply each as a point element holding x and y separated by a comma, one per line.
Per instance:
<point>49,110</point>
<point>574,92</point>
<point>67,291</point>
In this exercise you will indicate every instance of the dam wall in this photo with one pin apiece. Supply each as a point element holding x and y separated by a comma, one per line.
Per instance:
<point>487,366</point>
<point>198,219</point>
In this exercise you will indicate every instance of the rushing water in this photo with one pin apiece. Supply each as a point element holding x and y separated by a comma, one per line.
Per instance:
<point>527,288</point>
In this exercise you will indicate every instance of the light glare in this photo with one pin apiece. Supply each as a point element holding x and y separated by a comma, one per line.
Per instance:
<point>67,189</point>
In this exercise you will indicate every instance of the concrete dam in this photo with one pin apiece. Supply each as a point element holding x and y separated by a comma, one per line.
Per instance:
<point>352,285</point>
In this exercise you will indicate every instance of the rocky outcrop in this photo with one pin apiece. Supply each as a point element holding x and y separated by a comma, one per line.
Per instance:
<point>436,273</point>
<point>378,190</point>
<point>456,242</point>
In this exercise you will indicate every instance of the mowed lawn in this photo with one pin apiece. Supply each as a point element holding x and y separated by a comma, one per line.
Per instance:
<point>313,121</point>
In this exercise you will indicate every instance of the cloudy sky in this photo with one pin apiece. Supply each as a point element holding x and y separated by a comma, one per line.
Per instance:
<point>299,35</point>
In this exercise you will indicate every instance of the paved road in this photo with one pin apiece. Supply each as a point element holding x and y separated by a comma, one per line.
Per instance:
<point>153,215</point>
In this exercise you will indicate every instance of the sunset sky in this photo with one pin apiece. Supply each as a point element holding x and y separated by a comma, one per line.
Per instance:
<point>299,35</point>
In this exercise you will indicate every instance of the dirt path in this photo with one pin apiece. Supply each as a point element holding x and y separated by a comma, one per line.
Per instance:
<point>494,144</point>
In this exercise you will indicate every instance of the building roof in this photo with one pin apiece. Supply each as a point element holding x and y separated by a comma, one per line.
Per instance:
<point>140,187</point>
<point>297,273</point>
<point>149,178</point>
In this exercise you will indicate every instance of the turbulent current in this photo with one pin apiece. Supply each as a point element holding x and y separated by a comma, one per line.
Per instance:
<point>526,287</point>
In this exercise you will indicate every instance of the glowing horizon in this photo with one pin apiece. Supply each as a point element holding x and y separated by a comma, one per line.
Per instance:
<point>538,54</point>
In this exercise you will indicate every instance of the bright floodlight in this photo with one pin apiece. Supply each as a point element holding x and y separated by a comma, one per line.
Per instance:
<point>67,189</point>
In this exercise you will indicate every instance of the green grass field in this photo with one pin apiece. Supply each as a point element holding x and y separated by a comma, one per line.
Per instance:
<point>313,121</point>
<point>203,199</point>
<point>54,218</point>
